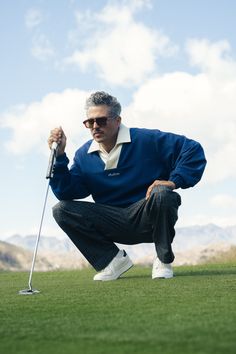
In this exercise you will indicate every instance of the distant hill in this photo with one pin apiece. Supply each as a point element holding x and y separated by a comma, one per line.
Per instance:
<point>186,238</point>
<point>55,244</point>
<point>17,258</point>
<point>222,257</point>
<point>192,245</point>
<point>203,235</point>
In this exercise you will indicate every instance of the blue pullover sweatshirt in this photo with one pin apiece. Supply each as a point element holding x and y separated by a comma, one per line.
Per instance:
<point>151,155</point>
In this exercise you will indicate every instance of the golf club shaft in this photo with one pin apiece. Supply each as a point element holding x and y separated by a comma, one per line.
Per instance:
<point>38,237</point>
<point>49,175</point>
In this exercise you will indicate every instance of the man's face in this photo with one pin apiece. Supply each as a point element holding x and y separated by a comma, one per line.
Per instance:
<point>104,134</point>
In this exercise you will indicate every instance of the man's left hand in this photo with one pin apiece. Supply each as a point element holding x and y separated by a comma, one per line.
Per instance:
<point>156,183</point>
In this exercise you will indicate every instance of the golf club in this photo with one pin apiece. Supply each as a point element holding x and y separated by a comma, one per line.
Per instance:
<point>49,175</point>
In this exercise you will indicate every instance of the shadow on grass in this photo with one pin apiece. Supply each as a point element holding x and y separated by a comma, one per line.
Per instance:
<point>141,276</point>
<point>231,270</point>
<point>206,272</point>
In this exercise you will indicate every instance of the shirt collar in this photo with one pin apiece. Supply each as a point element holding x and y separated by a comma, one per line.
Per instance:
<point>123,137</point>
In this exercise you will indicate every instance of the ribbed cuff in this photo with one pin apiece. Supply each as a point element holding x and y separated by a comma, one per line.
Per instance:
<point>177,180</point>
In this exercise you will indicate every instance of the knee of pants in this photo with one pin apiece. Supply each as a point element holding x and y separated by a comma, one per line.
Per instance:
<point>165,195</point>
<point>59,210</point>
<point>160,192</point>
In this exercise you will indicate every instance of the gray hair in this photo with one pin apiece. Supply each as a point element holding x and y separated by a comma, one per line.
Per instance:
<point>102,98</point>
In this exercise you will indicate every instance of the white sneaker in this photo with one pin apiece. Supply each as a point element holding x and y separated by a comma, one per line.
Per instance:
<point>119,265</point>
<point>161,270</point>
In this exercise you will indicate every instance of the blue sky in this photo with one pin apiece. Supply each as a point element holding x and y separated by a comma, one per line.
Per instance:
<point>172,65</point>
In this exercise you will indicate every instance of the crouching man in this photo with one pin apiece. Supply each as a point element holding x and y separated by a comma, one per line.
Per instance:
<point>131,174</point>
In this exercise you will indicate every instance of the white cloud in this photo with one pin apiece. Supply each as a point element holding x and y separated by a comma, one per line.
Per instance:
<point>201,106</point>
<point>212,58</point>
<point>33,18</point>
<point>120,49</point>
<point>41,48</point>
<point>204,219</point>
<point>31,124</point>
<point>223,201</point>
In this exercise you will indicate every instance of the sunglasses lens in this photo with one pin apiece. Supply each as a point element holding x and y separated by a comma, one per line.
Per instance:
<point>89,123</point>
<point>101,122</point>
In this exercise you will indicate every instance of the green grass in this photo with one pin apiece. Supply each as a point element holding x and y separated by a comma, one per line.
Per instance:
<point>194,313</point>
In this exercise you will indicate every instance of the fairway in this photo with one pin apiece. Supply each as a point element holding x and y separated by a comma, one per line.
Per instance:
<point>194,313</point>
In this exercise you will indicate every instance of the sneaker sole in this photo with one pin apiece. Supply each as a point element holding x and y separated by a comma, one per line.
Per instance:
<point>168,277</point>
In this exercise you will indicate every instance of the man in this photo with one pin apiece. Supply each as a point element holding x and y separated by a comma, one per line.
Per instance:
<point>131,175</point>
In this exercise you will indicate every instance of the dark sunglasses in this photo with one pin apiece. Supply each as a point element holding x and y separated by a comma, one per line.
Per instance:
<point>100,121</point>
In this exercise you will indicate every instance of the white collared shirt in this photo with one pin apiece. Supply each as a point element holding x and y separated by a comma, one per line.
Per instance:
<point>111,158</point>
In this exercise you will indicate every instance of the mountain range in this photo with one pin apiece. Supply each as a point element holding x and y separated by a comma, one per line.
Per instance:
<point>191,245</point>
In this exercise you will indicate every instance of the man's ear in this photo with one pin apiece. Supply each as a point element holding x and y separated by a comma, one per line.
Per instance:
<point>119,119</point>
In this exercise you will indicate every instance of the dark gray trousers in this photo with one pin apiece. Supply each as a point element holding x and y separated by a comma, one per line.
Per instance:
<point>94,228</point>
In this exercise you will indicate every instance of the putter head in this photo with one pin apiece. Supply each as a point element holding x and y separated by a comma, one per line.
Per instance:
<point>29,292</point>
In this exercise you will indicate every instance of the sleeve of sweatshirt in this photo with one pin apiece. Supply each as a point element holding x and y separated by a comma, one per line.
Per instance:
<point>68,184</point>
<point>188,162</point>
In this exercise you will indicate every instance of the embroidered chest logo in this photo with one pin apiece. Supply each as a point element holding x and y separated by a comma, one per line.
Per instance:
<point>113,174</point>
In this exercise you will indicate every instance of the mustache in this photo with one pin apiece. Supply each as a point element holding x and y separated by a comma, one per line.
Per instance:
<point>97,130</point>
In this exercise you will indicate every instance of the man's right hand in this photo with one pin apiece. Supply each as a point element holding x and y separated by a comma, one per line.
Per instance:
<point>58,135</point>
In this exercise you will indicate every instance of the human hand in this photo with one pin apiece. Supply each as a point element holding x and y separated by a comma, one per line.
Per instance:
<point>156,183</point>
<point>58,135</point>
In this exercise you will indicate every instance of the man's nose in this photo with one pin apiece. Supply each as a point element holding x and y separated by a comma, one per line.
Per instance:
<point>95,124</point>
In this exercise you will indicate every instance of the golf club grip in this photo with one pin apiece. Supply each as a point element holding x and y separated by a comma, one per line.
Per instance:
<point>51,160</point>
